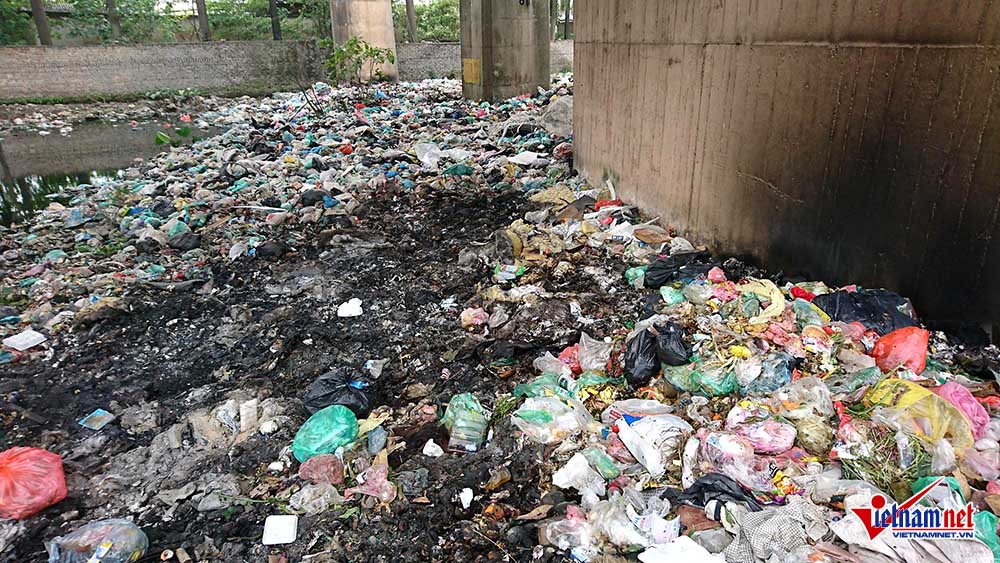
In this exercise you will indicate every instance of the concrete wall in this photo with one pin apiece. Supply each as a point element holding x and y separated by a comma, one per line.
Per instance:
<point>418,61</point>
<point>237,67</point>
<point>853,141</point>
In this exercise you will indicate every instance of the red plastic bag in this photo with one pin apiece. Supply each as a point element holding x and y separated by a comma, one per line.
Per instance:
<point>571,357</point>
<point>31,480</point>
<point>905,347</point>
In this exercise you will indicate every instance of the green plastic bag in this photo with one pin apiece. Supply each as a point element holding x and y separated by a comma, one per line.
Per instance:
<point>324,432</point>
<point>459,406</point>
<point>986,531</point>
<point>671,295</point>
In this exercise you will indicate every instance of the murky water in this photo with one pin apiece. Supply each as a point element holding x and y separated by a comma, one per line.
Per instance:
<point>35,169</point>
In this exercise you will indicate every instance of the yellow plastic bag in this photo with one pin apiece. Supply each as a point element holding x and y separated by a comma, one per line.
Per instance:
<point>922,413</point>
<point>766,290</point>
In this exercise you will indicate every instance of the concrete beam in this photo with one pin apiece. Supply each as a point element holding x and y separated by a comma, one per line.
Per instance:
<point>370,20</point>
<point>505,48</point>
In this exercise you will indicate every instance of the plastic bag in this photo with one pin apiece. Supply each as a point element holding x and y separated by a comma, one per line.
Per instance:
<point>671,295</point>
<point>342,387</point>
<point>376,484</point>
<point>732,454</point>
<point>703,379</point>
<point>640,359</point>
<point>111,541</point>
<point>570,356</point>
<point>31,480</point>
<point>880,310</point>
<point>814,435</point>
<point>547,420</point>
<point>594,353</point>
<point>644,441</point>
<point>986,531</point>
<point>768,436</point>
<point>315,499</point>
<point>718,487</point>
<point>466,421</point>
<point>602,463</point>
<point>806,397</point>
<point>775,372</point>
<point>551,364</point>
<point>942,457</point>
<point>964,401</point>
<point>323,468</point>
<point>845,384</point>
<point>698,292</point>
<point>671,349</point>
<point>919,412</point>
<point>905,347</point>
<point>324,432</point>
<point>984,465</point>
<point>577,474</point>
<point>678,267</point>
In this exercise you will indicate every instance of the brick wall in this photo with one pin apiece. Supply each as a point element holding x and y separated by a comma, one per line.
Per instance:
<point>220,67</point>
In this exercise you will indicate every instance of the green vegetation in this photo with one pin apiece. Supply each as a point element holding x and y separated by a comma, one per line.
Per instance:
<point>436,21</point>
<point>155,21</point>
<point>354,60</point>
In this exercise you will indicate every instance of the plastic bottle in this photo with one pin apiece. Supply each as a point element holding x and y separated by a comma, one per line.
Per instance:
<point>325,431</point>
<point>466,421</point>
<point>107,541</point>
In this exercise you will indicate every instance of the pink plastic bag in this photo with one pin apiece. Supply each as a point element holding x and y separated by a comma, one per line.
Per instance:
<point>376,484</point>
<point>965,402</point>
<point>905,347</point>
<point>571,357</point>
<point>323,468</point>
<point>31,480</point>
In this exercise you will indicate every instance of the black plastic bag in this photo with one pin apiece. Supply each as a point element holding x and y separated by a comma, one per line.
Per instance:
<point>641,362</point>
<point>687,266</point>
<point>878,309</point>
<point>342,387</point>
<point>718,487</point>
<point>671,349</point>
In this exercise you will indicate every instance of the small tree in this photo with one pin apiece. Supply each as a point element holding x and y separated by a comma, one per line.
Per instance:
<point>347,62</point>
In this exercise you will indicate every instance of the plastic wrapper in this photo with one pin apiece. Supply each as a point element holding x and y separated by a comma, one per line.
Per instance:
<point>31,480</point>
<point>671,348</point>
<point>547,420</point>
<point>905,347</point>
<point>962,399</point>
<point>641,362</point>
<point>602,463</point>
<point>635,408</point>
<point>324,432</point>
<point>107,541</point>
<point>917,411</point>
<point>342,387</point>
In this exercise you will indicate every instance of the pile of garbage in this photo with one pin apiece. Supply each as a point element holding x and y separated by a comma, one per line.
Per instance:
<point>385,323</point>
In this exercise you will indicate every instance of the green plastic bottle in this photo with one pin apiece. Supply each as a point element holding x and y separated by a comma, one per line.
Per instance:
<point>324,432</point>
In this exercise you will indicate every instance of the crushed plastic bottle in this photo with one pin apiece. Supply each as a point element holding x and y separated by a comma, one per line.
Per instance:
<point>466,421</point>
<point>105,541</point>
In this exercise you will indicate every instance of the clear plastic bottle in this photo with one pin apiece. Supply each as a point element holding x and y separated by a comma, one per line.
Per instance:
<point>466,421</point>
